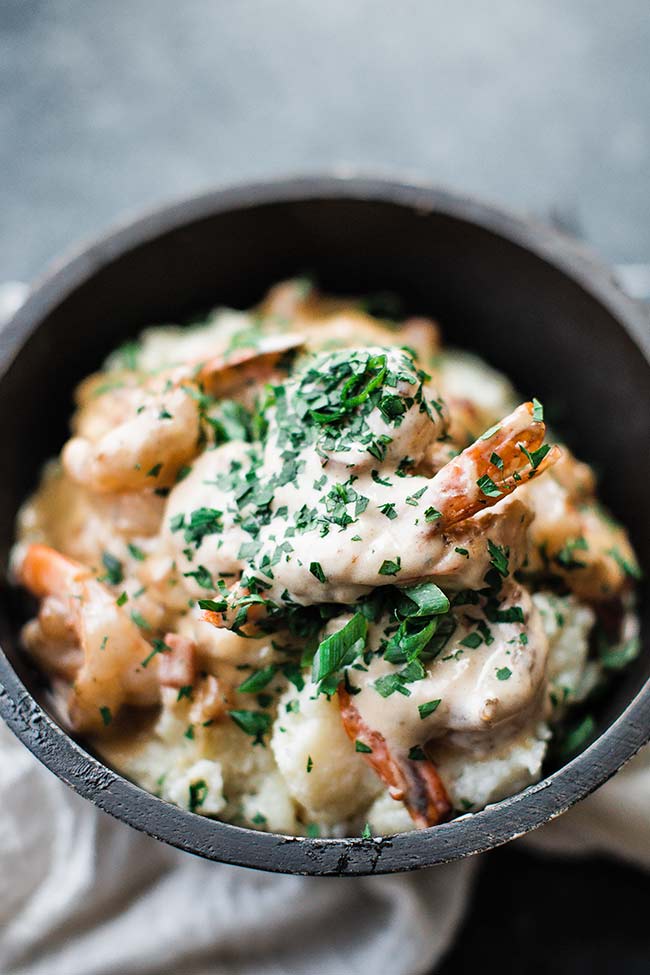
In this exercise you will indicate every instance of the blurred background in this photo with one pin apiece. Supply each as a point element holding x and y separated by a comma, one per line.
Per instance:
<point>542,106</point>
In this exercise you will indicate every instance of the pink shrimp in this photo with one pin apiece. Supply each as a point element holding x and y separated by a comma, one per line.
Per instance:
<point>416,783</point>
<point>151,426</point>
<point>113,667</point>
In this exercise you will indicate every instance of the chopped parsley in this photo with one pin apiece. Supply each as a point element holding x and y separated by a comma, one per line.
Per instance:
<point>198,793</point>
<point>317,571</point>
<point>114,574</point>
<point>139,620</point>
<point>425,710</point>
<point>416,754</point>
<point>491,432</point>
<point>577,736</point>
<point>488,487</point>
<point>565,556</point>
<point>472,640</point>
<point>202,577</point>
<point>259,680</point>
<point>158,646</point>
<point>107,717</point>
<point>254,723</point>
<point>390,567</point>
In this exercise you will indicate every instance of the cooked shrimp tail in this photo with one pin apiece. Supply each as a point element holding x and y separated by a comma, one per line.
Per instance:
<point>507,455</point>
<point>416,783</point>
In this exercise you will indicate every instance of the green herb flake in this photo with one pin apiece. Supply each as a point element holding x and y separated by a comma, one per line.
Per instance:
<point>388,509</point>
<point>490,433</point>
<point>135,552</point>
<point>212,606</point>
<point>184,691</point>
<point>391,683</point>
<point>618,657</point>
<point>317,571</point>
<point>538,411</point>
<point>254,723</point>
<point>107,717</point>
<point>258,681</point>
<point>310,764</point>
<point>155,470</point>
<point>488,487</point>
<point>379,480</point>
<point>578,736</point>
<point>202,577</point>
<point>463,552</point>
<point>114,572</point>
<point>158,646</point>
<point>122,599</point>
<point>630,569</point>
<point>198,793</point>
<point>390,567</point>
<point>139,620</point>
<point>366,832</point>
<point>340,648</point>
<point>472,640</point>
<point>432,514</point>
<point>499,558</point>
<point>360,746</point>
<point>425,710</point>
<point>416,754</point>
<point>504,673</point>
<point>535,457</point>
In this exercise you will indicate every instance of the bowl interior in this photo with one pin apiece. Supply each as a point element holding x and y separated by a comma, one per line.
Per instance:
<point>558,334</point>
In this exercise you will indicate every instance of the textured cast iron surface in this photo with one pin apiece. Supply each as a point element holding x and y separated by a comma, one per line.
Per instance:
<point>529,300</point>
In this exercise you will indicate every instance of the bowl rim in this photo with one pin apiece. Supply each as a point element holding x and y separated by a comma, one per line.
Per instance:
<point>352,856</point>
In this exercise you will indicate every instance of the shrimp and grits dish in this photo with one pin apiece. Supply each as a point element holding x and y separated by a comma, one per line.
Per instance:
<point>306,570</point>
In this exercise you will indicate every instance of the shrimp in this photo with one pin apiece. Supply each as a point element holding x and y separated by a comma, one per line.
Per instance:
<point>416,783</point>
<point>413,545</point>
<point>338,323</point>
<point>488,681</point>
<point>574,538</point>
<point>151,426</point>
<point>457,491</point>
<point>112,667</point>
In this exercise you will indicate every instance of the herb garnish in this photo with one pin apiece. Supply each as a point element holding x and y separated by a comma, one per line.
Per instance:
<point>114,573</point>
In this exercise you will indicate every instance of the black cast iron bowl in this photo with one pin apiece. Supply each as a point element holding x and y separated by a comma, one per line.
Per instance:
<point>527,299</point>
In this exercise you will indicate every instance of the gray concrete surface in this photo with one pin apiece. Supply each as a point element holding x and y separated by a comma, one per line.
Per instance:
<point>107,106</point>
